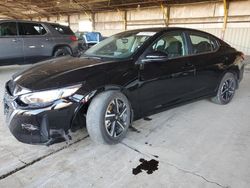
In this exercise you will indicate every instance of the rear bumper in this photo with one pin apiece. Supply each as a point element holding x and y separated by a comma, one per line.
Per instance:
<point>40,126</point>
<point>75,48</point>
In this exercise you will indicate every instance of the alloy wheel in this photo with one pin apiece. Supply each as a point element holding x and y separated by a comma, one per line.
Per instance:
<point>228,89</point>
<point>116,117</point>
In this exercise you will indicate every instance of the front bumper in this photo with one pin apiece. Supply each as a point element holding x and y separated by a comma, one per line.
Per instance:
<point>39,126</point>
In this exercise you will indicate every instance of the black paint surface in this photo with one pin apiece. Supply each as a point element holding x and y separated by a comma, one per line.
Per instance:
<point>148,166</point>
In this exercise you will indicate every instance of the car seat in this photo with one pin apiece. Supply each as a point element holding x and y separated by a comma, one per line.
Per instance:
<point>174,49</point>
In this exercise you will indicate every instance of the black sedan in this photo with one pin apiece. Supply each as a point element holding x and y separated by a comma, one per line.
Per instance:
<point>125,77</point>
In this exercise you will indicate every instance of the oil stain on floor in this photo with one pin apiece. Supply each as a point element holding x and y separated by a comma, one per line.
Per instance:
<point>148,166</point>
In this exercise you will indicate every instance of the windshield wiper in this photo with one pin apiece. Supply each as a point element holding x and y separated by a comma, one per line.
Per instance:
<point>91,57</point>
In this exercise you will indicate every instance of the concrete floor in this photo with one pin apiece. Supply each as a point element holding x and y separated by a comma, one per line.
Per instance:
<point>197,145</point>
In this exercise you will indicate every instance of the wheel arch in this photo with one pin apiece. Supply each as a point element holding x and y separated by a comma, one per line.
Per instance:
<point>61,46</point>
<point>232,69</point>
<point>235,70</point>
<point>83,106</point>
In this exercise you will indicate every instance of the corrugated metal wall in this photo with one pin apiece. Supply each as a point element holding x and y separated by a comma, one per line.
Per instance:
<point>204,16</point>
<point>145,18</point>
<point>239,38</point>
<point>109,23</point>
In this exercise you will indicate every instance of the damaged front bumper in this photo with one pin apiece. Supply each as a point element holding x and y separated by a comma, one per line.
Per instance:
<point>46,125</point>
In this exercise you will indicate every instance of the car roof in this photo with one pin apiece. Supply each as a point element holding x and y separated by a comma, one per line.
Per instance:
<point>30,21</point>
<point>161,29</point>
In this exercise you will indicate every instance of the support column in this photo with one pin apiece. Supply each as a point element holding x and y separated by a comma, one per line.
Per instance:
<point>125,20</point>
<point>93,21</point>
<point>68,19</point>
<point>166,14</point>
<point>226,6</point>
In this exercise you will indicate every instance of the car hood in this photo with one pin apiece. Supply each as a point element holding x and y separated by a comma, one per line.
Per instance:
<point>59,72</point>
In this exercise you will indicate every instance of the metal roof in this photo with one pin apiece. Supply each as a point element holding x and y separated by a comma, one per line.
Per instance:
<point>28,9</point>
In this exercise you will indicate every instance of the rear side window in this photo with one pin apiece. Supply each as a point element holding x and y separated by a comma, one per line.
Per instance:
<point>64,30</point>
<point>202,44</point>
<point>8,29</point>
<point>31,29</point>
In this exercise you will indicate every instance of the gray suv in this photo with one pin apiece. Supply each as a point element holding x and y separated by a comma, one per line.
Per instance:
<point>29,42</point>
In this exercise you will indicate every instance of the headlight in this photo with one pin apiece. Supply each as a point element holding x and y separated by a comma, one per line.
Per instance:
<point>49,96</point>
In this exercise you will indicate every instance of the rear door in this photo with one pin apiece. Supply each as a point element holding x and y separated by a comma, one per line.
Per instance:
<point>11,45</point>
<point>207,61</point>
<point>38,44</point>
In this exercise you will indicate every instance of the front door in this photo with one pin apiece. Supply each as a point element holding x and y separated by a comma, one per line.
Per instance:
<point>11,45</point>
<point>165,83</point>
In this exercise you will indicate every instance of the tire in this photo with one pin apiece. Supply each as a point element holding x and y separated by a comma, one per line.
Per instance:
<point>226,89</point>
<point>62,51</point>
<point>106,124</point>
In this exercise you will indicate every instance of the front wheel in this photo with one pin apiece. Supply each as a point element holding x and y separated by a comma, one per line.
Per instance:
<point>108,117</point>
<point>226,89</point>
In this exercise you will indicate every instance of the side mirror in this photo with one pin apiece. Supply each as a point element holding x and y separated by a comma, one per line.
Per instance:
<point>155,57</point>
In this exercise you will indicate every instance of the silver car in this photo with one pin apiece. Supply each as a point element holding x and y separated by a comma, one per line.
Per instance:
<point>29,42</point>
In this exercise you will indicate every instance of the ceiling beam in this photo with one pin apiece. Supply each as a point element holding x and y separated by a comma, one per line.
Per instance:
<point>12,12</point>
<point>46,8</point>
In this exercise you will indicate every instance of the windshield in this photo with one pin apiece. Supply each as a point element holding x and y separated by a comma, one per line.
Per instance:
<point>120,46</point>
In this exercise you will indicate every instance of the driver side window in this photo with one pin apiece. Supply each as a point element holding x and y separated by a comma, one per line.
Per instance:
<point>171,44</point>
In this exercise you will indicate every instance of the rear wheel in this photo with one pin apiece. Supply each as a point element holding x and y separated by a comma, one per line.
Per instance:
<point>226,89</point>
<point>108,117</point>
<point>62,51</point>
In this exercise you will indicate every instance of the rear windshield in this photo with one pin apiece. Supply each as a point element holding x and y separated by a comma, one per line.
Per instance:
<point>64,30</point>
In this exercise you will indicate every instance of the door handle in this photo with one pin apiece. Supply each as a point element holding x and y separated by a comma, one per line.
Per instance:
<point>188,66</point>
<point>16,40</point>
<point>47,39</point>
<point>188,69</point>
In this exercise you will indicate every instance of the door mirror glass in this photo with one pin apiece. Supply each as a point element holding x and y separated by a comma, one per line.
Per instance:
<point>155,57</point>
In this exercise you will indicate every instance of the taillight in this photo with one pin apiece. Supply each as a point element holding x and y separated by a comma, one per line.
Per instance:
<point>73,38</point>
